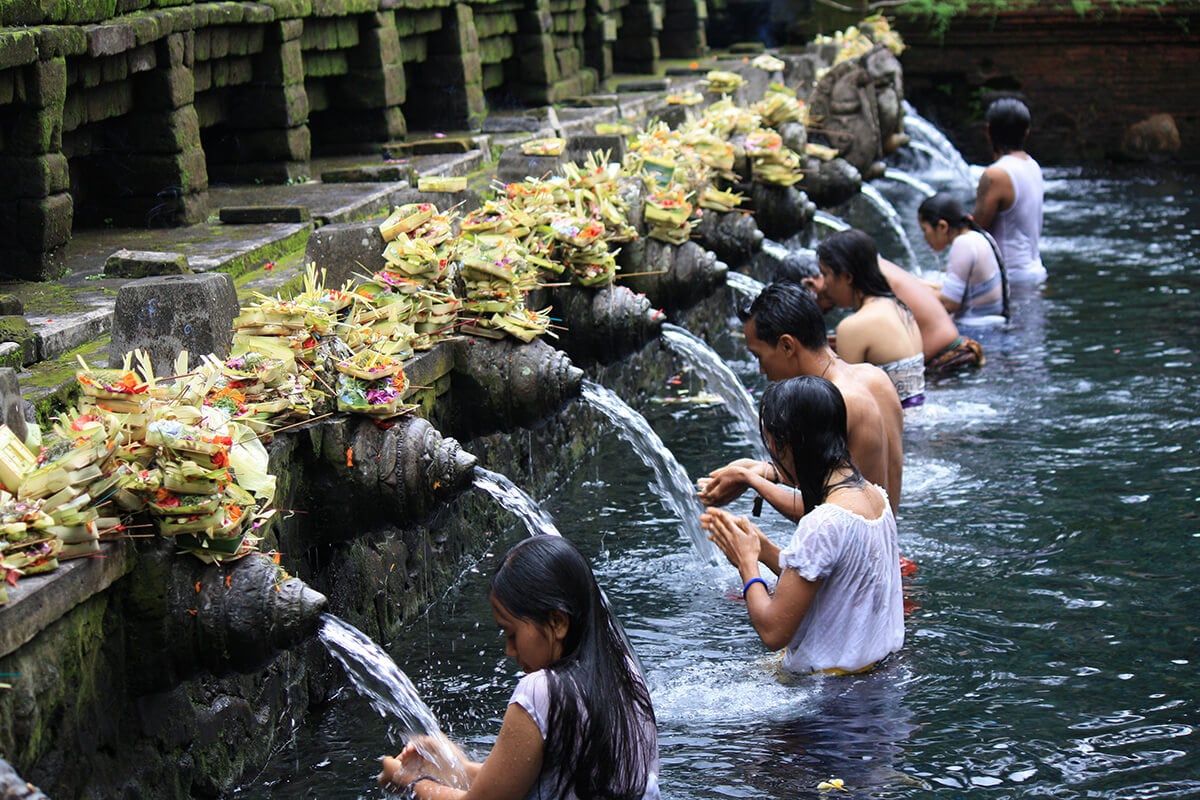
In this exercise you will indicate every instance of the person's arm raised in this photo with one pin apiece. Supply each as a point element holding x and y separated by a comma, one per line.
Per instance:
<point>993,195</point>
<point>508,773</point>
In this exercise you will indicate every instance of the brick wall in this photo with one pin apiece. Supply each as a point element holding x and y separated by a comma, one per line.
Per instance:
<point>1086,80</point>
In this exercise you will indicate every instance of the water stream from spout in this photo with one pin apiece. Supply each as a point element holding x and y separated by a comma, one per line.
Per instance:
<point>515,499</point>
<point>924,133</point>
<point>892,219</point>
<point>718,376</point>
<point>834,223</point>
<point>675,488</point>
<point>390,692</point>
<point>900,176</point>
<point>744,284</point>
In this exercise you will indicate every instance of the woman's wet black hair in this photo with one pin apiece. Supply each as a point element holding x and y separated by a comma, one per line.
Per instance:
<point>853,252</point>
<point>804,419</point>
<point>1007,124</point>
<point>945,207</point>
<point>600,709</point>
<point>785,307</point>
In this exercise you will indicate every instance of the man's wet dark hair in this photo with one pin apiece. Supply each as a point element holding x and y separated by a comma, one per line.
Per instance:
<point>784,307</point>
<point>1008,124</point>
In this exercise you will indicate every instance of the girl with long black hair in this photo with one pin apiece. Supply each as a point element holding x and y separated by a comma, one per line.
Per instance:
<point>580,723</point>
<point>838,605</point>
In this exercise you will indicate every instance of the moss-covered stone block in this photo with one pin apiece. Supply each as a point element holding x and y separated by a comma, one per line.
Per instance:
<point>33,265</point>
<point>21,12</point>
<point>285,108</point>
<point>171,131</point>
<point>46,83</point>
<point>17,330</point>
<point>110,39</point>
<point>324,64</point>
<point>75,12</point>
<point>35,133</point>
<point>55,41</point>
<point>34,176</point>
<point>414,49</point>
<point>109,101</point>
<point>17,48</point>
<point>245,40</point>
<point>144,263</point>
<point>115,68</point>
<point>45,223</point>
<point>166,89</point>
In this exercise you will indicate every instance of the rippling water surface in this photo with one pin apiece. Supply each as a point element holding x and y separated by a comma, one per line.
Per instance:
<point>1050,502</point>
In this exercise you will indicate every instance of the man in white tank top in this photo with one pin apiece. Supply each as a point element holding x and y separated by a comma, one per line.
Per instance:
<point>1008,202</point>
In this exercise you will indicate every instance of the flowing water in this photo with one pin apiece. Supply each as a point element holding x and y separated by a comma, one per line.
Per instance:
<point>390,692</point>
<point>891,220</point>
<point>516,500</point>
<point>718,376</point>
<point>746,284</point>
<point>676,489</point>
<point>1050,501</point>
<point>830,221</point>
<point>926,137</point>
<point>900,176</point>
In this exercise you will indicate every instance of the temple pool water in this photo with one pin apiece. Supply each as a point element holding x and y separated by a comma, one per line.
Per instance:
<point>1051,504</point>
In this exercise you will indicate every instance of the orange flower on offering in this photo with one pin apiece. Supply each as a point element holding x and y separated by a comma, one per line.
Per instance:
<point>234,512</point>
<point>220,459</point>
<point>130,383</point>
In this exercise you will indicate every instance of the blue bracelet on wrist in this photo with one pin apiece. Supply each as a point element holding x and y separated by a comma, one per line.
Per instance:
<point>751,582</point>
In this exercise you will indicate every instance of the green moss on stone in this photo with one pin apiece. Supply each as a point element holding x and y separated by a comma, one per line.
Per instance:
<point>275,251</point>
<point>51,386</point>
<point>44,297</point>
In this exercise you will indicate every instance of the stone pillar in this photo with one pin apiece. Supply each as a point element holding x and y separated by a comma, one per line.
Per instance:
<point>269,115</point>
<point>453,72</point>
<point>599,34</point>
<point>36,211</point>
<point>683,34</point>
<point>166,131</point>
<point>171,313</point>
<point>637,47</point>
<point>12,410</point>
<point>551,44</point>
<point>372,91</point>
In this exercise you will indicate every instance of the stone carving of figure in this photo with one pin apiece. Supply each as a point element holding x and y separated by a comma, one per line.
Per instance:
<point>843,107</point>
<point>888,76</point>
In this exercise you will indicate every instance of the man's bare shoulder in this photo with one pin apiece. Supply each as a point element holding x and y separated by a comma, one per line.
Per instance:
<point>866,383</point>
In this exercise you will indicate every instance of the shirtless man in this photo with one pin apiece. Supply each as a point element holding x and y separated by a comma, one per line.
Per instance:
<point>786,333</point>
<point>1008,201</point>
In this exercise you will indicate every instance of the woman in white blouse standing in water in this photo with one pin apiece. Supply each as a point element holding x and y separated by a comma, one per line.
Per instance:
<point>975,287</point>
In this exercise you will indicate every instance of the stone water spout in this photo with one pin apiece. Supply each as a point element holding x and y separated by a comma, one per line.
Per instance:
<point>781,211</point>
<point>676,276</point>
<point>505,384</point>
<point>605,325</point>
<point>185,616</point>
<point>733,236</point>
<point>406,469</point>
<point>831,183</point>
